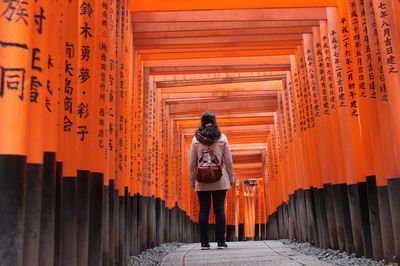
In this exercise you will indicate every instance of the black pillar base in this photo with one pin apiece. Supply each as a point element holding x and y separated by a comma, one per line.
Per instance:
<point>356,225</point>
<point>257,232</point>
<point>121,231</point>
<point>385,218</point>
<point>365,222</point>
<point>69,222</point>
<point>151,222</point>
<point>230,232</point>
<point>47,220</point>
<point>127,217</point>
<point>13,172</point>
<point>106,227</point>
<point>292,223</point>
<point>374,214</point>
<point>134,225</point>
<point>95,221</point>
<point>111,221</point>
<point>58,215</point>
<point>241,233</point>
<point>394,198</point>
<point>83,197</point>
<point>334,214</point>
<point>33,208</point>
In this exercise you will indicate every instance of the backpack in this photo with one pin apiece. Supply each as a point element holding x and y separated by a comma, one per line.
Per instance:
<point>208,167</point>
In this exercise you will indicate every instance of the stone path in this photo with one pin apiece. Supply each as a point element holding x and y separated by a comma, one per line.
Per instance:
<point>240,253</point>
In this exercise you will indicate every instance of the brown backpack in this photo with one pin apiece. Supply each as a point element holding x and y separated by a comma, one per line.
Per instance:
<point>208,167</point>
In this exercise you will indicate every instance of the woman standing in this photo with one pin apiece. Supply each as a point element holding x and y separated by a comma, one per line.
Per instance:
<point>208,136</point>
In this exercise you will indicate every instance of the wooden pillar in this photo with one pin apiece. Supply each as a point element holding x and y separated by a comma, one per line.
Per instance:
<point>388,36</point>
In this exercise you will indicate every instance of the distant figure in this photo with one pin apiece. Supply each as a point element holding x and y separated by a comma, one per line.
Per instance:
<point>209,137</point>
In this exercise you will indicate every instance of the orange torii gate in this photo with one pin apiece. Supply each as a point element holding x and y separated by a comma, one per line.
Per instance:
<point>99,101</point>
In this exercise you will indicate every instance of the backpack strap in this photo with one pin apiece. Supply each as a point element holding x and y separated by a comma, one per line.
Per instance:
<point>223,155</point>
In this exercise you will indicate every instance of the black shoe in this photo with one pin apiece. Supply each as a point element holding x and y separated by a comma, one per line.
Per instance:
<point>222,245</point>
<point>205,246</point>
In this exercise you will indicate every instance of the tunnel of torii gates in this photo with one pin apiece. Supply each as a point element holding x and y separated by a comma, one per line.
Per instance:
<point>99,102</point>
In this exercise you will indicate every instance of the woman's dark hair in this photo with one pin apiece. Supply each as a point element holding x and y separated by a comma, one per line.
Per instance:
<point>208,133</point>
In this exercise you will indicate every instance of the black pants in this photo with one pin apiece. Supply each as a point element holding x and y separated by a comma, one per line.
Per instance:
<point>218,197</point>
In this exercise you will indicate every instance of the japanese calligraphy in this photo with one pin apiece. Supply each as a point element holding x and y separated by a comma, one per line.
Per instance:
<point>86,9</point>
<point>84,74</point>
<point>83,110</point>
<point>34,93</point>
<point>85,52</point>
<point>391,59</point>
<point>82,132</point>
<point>67,124</point>
<point>86,31</point>
<point>39,20</point>
<point>12,79</point>
<point>16,10</point>
<point>349,69</point>
<point>69,50</point>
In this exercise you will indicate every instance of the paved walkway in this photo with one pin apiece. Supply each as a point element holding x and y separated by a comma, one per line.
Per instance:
<point>240,253</point>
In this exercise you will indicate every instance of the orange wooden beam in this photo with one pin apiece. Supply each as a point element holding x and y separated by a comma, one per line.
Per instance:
<point>246,43</point>
<point>232,15</point>
<point>159,5</point>
<point>219,71</point>
<point>218,112</point>
<point>216,94</point>
<point>218,25</point>
<point>219,39</point>
<point>248,86</point>
<point>227,32</point>
<point>230,121</point>
<point>217,49</point>
<point>166,56</point>
<point>225,61</point>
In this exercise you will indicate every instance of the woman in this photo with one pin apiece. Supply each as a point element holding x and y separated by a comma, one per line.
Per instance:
<point>208,136</point>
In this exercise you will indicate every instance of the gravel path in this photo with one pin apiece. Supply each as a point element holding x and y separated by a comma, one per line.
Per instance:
<point>153,256</point>
<point>334,257</point>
